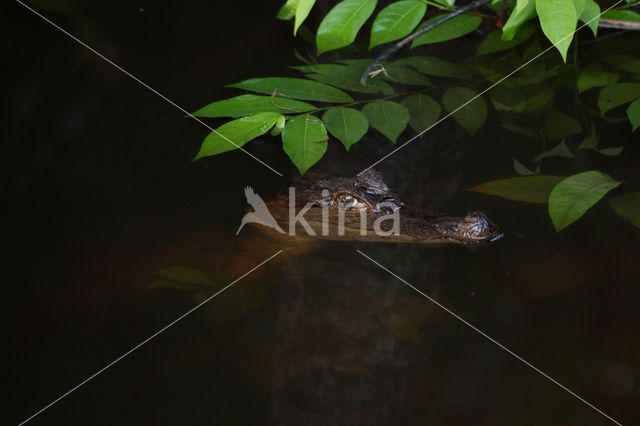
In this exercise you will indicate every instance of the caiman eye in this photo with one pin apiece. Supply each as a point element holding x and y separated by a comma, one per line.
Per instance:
<point>346,202</point>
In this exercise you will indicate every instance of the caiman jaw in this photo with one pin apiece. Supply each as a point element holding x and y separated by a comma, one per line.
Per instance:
<point>360,204</point>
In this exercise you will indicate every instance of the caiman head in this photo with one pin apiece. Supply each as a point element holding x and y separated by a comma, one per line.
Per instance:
<point>364,192</point>
<point>365,208</point>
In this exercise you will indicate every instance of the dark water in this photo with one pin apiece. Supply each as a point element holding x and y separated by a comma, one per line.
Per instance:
<point>100,193</point>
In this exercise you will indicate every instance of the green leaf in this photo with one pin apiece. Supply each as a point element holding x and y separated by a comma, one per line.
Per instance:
<point>404,75</point>
<point>251,104</point>
<point>470,116</point>
<point>307,68</point>
<point>453,28</point>
<point>389,118</point>
<point>353,67</point>
<point>591,141</point>
<point>394,72</point>
<point>617,94</point>
<point>304,139</point>
<point>493,43</point>
<point>532,74</point>
<point>521,130</point>
<point>560,150</point>
<point>347,124</point>
<point>348,78</point>
<point>622,15</point>
<point>495,70</point>
<point>595,76</point>
<point>296,88</point>
<point>277,129</point>
<point>523,170</point>
<point>302,11</point>
<point>579,6</point>
<point>524,100</point>
<point>573,196</point>
<point>288,10</point>
<point>628,206</point>
<point>447,3</point>
<point>632,67</point>
<point>359,64</point>
<point>524,11</point>
<point>496,5</point>
<point>340,26</point>
<point>424,111</point>
<point>396,21</point>
<point>434,66</point>
<point>558,20</point>
<point>633,112</point>
<point>239,131</point>
<point>612,151</point>
<point>558,125</point>
<point>591,15</point>
<point>531,189</point>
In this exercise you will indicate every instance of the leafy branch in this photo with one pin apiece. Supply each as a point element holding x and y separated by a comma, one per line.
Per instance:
<point>428,27</point>
<point>603,77</point>
<point>289,99</point>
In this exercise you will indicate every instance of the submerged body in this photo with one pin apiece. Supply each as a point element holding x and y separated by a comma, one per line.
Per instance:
<point>364,208</point>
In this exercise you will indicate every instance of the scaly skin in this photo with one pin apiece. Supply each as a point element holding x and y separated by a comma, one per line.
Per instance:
<point>369,197</point>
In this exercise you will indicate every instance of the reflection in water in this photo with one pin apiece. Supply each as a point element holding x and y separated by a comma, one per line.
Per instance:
<point>350,352</point>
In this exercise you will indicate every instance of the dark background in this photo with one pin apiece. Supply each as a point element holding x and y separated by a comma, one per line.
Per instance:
<point>97,188</point>
<point>95,168</point>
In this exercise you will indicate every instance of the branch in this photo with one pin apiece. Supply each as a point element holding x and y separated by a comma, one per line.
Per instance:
<point>621,25</point>
<point>421,31</point>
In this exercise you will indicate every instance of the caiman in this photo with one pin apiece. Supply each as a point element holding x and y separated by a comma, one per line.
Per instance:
<point>365,208</point>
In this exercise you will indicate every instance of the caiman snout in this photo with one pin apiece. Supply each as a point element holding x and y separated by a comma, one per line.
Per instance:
<point>478,229</point>
<point>350,206</point>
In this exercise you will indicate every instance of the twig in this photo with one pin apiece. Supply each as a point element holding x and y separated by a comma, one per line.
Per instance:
<point>273,102</point>
<point>421,31</point>
<point>621,25</point>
